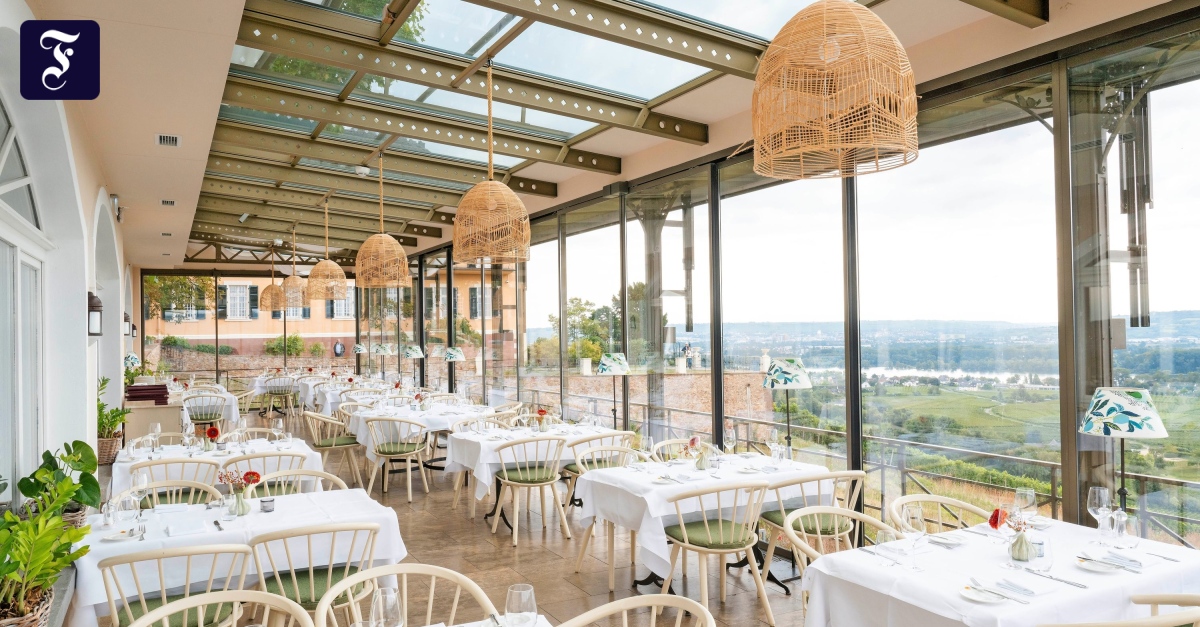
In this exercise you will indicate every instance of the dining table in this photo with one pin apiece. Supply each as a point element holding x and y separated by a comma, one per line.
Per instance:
<point>122,480</point>
<point>961,578</point>
<point>439,417</point>
<point>231,411</point>
<point>171,527</point>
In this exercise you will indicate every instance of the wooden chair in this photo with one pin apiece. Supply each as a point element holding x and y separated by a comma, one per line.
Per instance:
<point>574,447</point>
<point>516,406</point>
<point>1177,619</point>
<point>947,514</point>
<point>164,439</point>
<point>282,389</point>
<point>294,560</point>
<point>345,412</point>
<point>329,435</point>
<point>204,409</point>
<point>506,418</point>
<point>394,401</point>
<point>445,398</point>
<point>438,596</point>
<point>595,458</point>
<point>276,610</point>
<point>628,607</point>
<point>527,464</point>
<point>296,482</point>
<point>716,534</point>
<point>206,388</point>
<point>175,491</point>
<point>265,462</point>
<point>667,450</point>
<point>200,470</point>
<point>255,433</point>
<point>465,477</point>
<point>821,529</point>
<point>128,579</point>
<point>362,395</point>
<point>836,489</point>
<point>397,439</point>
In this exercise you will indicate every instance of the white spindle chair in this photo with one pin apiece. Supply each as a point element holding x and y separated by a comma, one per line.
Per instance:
<point>394,401</point>
<point>282,389</point>
<point>174,491</point>
<point>329,435</point>
<point>164,439</point>
<point>632,607</point>
<point>1176,619</point>
<point>821,529</point>
<point>205,409</point>
<point>429,595</point>
<point>477,425</point>
<point>297,482</point>
<point>362,395</point>
<point>277,611</point>
<point>595,458</point>
<point>577,445</point>
<point>668,450</point>
<point>837,489</point>
<point>397,439</point>
<point>528,464</point>
<point>196,469</point>
<point>943,512</point>
<point>304,562</point>
<point>265,462</point>
<point>139,583</point>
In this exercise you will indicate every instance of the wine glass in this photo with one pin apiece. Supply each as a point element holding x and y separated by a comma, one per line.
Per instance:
<point>885,537</point>
<point>731,439</point>
<point>277,427</point>
<point>385,608</point>
<point>1099,505</point>
<point>285,440</point>
<point>520,610</point>
<point>128,508</point>
<point>1027,501</point>
<point>141,485</point>
<point>155,433</point>
<point>914,522</point>
<point>189,443</point>
<point>648,445</point>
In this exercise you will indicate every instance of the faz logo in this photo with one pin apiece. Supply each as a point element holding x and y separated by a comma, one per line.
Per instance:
<point>60,60</point>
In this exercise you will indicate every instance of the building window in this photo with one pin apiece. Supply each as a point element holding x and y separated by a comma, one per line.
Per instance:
<point>344,309</point>
<point>186,313</point>
<point>16,192</point>
<point>238,302</point>
<point>474,302</point>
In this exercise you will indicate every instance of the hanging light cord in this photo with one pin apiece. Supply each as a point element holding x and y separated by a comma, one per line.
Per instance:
<point>326,227</point>
<point>381,190</point>
<point>293,251</point>
<point>489,90</point>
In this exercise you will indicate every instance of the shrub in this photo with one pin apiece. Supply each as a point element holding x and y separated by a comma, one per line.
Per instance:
<point>223,349</point>
<point>295,345</point>
<point>174,341</point>
<point>583,348</point>
<point>316,349</point>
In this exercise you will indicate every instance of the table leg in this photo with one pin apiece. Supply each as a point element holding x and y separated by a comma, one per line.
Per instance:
<point>771,578</point>
<point>496,506</point>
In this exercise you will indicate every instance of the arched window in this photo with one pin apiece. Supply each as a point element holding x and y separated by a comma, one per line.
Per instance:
<point>15,190</point>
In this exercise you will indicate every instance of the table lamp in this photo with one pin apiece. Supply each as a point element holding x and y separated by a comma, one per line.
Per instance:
<point>787,374</point>
<point>613,365</point>
<point>1123,413</point>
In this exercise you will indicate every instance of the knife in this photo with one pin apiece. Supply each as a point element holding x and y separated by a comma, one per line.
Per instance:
<point>1052,577</point>
<point>1169,559</point>
<point>979,586</point>
<point>1108,563</point>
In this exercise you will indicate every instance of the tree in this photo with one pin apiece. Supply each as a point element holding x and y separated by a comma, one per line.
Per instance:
<point>464,335</point>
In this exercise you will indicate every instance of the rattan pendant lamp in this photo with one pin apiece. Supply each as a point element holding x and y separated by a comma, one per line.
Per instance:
<point>326,281</point>
<point>491,223</point>
<point>381,261</point>
<point>295,290</point>
<point>835,96</point>
<point>272,297</point>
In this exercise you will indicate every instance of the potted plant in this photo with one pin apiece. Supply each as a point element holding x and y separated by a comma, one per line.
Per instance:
<point>76,463</point>
<point>108,426</point>
<point>36,550</point>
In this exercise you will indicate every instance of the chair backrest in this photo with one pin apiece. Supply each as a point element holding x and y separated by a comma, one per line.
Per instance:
<point>392,436</point>
<point>255,433</point>
<point>596,457</point>
<point>134,582</point>
<point>205,407</point>
<point>428,595</point>
<point>296,482</point>
<point>172,491</point>
<point>941,512</point>
<point>171,437</point>
<point>324,430</point>
<point>611,438</point>
<point>280,385</point>
<point>207,387</point>
<point>312,378</point>
<point>444,398</point>
<point>273,609</point>
<point>317,553</point>
<point>528,457</point>
<point>625,609</point>
<point>1176,619</point>
<point>736,505</point>
<point>363,395</point>
<point>346,411</point>
<point>186,468</point>
<point>516,406</point>
<point>836,489</point>
<point>394,401</point>
<point>504,417</point>
<point>824,529</point>
<point>477,424</point>
<point>265,462</point>
<point>667,450</point>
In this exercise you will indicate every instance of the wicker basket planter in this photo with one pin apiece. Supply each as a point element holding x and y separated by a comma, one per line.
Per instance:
<point>75,519</point>
<point>107,449</point>
<point>39,617</point>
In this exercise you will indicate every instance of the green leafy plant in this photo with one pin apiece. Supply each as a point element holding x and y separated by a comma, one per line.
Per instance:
<point>108,421</point>
<point>316,349</point>
<point>77,463</point>
<point>294,345</point>
<point>174,341</point>
<point>35,551</point>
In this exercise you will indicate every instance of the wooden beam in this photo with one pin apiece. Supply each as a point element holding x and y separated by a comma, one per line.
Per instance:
<point>1030,13</point>
<point>315,217</point>
<point>336,234</point>
<point>493,50</point>
<point>395,15</point>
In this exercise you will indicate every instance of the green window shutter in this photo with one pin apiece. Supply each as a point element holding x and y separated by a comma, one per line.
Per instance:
<point>307,313</point>
<point>222,302</point>
<point>474,295</point>
<point>276,315</point>
<point>328,309</point>
<point>254,302</point>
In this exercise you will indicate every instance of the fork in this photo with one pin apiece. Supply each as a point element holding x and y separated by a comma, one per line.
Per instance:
<point>142,533</point>
<point>975,583</point>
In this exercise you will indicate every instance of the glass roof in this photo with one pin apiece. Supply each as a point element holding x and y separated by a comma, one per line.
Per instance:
<point>590,61</point>
<point>454,26</point>
<point>389,175</point>
<point>763,21</point>
<point>345,133</point>
<point>433,149</point>
<point>235,113</point>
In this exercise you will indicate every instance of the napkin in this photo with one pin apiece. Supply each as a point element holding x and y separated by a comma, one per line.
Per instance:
<point>1021,584</point>
<point>172,508</point>
<point>187,527</point>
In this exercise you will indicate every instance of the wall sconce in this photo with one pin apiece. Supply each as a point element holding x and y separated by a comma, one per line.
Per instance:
<point>135,331</point>
<point>95,309</point>
<point>125,329</point>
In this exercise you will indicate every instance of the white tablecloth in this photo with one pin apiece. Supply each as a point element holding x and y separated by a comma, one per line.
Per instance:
<point>230,412</point>
<point>476,452</point>
<point>291,511</point>
<point>260,383</point>
<point>852,588</point>
<point>122,481</point>
<point>438,418</point>
<point>631,498</point>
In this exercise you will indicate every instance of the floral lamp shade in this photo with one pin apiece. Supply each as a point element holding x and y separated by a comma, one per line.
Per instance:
<point>413,352</point>
<point>787,374</point>
<point>1123,413</point>
<point>455,354</point>
<point>436,351</point>
<point>383,349</point>
<point>359,349</point>
<point>613,364</point>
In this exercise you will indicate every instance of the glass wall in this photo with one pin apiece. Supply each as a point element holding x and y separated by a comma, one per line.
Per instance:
<point>499,291</point>
<point>537,324</point>
<point>793,310</point>
<point>467,311</point>
<point>960,307</point>
<point>436,315</point>
<point>9,400</point>
<point>179,314</point>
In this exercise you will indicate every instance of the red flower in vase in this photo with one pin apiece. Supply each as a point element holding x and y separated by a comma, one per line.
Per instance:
<point>251,477</point>
<point>998,518</point>
<point>174,379</point>
<point>541,412</point>
<point>349,379</point>
<point>310,369</point>
<point>213,433</point>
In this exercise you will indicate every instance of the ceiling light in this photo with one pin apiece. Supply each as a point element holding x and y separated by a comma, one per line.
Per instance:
<point>362,170</point>
<point>244,217</point>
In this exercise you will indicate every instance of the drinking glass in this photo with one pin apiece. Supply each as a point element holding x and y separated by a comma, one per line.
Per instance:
<point>277,427</point>
<point>190,444</point>
<point>228,507</point>
<point>885,537</point>
<point>731,439</point>
<point>385,608</point>
<point>285,440</point>
<point>648,445</point>
<point>520,610</point>
<point>1043,556</point>
<point>128,508</point>
<point>155,432</point>
<point>914,520</point>
<point>1027,501</point>
<point>141,483</point>
<point>1099,505</point>
<point>1128,532</point>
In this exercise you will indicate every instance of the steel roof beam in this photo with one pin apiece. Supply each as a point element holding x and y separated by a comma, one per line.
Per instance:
<point>1030,13</point>
<point>281,142</point>
<point>647,28</point>
<point>315,217</point>
<point>263,96</point>
<point>225,252</point>
<point>283,226</point>
<point>207,230</point>
<point>507,38</point>
<point>309,32</point>
<point>394,16</point>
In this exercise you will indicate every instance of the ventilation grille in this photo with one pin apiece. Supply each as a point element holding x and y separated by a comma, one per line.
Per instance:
<point>168,203</point>
<point>165,234</point>
<point>171,141</point>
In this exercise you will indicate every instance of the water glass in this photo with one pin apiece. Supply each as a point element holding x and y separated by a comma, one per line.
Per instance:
<point>1043,557</point>
<point>883,542</point>
<point>1027,501</point>
<point>520,609</point>
<point>385,608</point>
<point>229,508</point>
<point>155,433</point>
<point>914,524</point>
<point>1127,530</point>
<point>1099,505</point>
<point>128,508</point>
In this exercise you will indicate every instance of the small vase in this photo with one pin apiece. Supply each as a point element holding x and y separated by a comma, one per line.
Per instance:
<point>241,506</point>
<point>702,462</point>
<point>1021,548</point>
<point>209,445</point>
<point>544,426</point>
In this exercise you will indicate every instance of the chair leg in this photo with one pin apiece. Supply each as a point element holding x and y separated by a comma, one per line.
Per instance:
<point>516,519</point>
<point>587,538</point>
<point>545,513</point>
<point>421,468</point>
<point>571,490</point>
<point>612,556</point>
<point>721,563</point>
<point>356,466</point>
<point>633,547</point>
<point>374,472</point>
<point>499,504</point>
<point>683,573</point>
<point>762,590</point>
<point>458,481</point>
<point>562,514</point>
<point>471,500</point>
<point>702,558</point>
<point>387,475</point>
<point>770,549</point>
<point>675,548</point>
<point>408,476</point>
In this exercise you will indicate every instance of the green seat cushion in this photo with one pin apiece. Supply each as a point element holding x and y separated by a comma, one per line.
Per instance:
<point>223,611</point>
<point>398,448</point>
<point>186,496</point>
<point>341,440</point>
<point>719,534</point>
<point>300,591</point>
<point>823,524</point>
<point>203,418</point>
<point>573,468</point>
<point>533,474</point>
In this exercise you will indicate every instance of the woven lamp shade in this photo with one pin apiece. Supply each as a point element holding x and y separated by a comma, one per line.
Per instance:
<point>835,96</point>
<point>491,223</point>
<point>381,262</point>
<point>295,291</point>
<point>326,281</point>
<point>272,298</point>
